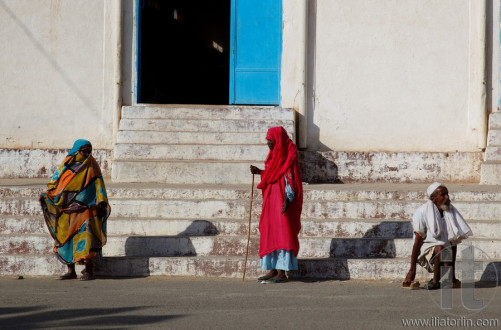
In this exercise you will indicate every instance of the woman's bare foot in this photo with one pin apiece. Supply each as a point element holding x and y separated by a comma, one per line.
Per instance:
<point>280,274</point>
<point>70,275</point>
<point>88,273</point>
<point>280,277</point>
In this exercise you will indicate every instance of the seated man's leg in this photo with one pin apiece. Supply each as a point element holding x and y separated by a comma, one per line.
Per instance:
<point>436,263</point>
<point>447,261</point>
<point>448,272</point>
<point>454,252</point>
<point>434,284</point>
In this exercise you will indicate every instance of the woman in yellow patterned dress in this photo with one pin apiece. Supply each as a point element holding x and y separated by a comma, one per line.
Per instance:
<point>75,208</point>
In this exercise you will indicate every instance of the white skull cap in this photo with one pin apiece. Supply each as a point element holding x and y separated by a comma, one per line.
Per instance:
<point>432,187</point>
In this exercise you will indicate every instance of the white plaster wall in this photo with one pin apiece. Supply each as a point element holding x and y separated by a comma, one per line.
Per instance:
<point>56,73</point>
<point>389,75</point>
<point>293,53</point>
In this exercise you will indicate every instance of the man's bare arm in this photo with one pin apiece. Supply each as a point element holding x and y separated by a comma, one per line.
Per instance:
<point>416,248</point>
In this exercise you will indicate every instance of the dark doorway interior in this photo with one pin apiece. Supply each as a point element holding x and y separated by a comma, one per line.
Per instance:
<point>184,52</point>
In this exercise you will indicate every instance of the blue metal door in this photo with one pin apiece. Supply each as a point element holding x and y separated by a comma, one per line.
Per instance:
<point>256,49</point>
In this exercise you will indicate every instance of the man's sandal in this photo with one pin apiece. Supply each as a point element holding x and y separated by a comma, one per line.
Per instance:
<point>456,284</point>
<point>68,276</point>
<point>413,285</point>
<point>430,285</point>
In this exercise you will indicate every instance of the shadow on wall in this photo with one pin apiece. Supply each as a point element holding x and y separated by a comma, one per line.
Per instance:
<point>491,276</point>
<point>374,244</point>
<point>139,249</point>
<point>315,168</point>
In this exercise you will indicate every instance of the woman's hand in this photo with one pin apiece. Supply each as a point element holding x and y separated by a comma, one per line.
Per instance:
<point>255,170</point>
<point>101,210</point>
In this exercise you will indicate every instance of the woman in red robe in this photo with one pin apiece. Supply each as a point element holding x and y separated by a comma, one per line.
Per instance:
<point>280,220</point>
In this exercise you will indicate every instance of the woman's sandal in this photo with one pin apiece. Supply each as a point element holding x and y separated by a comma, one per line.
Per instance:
<point>68,276</point>
<point>267,276</point>
<point>274,280</point>
<point>86,276</point>
<point>413,285</point>
<point>264,278</point>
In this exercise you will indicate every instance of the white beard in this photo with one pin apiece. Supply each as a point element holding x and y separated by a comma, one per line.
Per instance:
<point>445,207</point>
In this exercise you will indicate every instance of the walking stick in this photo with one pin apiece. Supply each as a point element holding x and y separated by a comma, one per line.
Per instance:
<point>248,235</point>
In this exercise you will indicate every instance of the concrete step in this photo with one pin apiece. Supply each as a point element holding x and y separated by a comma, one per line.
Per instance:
<point>232,267</point>
<point>334,228</point>
<point>199,138</point>
<point>22,225</point>
<point>221,209</point>
<point>238,209</point>
<point>212,136</point>
<point>495,120</point>
<point>491,173</point>
<point>328,268</point>
<point>174,246</point>
<point>207,112</point>
<point>20,188</point>
<point>310,247</point>
<point>204,125</point>
<point>493,153</point>
<point>183,172</point>
<point>31,265</point>
<point>494,137</point>
<point>23,188</point>
<point>198,153</point>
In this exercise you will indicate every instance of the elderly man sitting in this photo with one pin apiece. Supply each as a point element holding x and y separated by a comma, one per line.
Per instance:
<point>438,228</point>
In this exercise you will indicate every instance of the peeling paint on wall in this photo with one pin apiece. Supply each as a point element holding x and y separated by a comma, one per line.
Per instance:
<point>395,167</point>
<point>316,167</point>
<point>41,163</point>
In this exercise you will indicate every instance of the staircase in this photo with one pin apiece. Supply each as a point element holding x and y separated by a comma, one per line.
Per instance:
<point>349,231</point>
<point>180,193</point>
<point>195,145</point>
<point>491,167</point>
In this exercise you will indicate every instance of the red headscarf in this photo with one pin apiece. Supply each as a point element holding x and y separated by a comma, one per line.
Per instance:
<point>280,159</point>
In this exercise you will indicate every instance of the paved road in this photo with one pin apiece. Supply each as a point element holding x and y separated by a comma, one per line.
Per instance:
<point>186,303</point>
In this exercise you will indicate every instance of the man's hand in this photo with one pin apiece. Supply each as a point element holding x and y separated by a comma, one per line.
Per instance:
<point>411,275</point>
<point>255,170</point>
<point>285,205</point>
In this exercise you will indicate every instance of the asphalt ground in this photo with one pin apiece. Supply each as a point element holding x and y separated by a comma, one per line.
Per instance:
<point>185,303</point>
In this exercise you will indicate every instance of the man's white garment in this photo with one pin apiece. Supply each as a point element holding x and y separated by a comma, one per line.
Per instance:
<point>435,230</point>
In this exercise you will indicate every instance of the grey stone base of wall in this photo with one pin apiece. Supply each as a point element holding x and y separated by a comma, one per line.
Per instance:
<point>42,163</point>
<point>316,167</point>
<point>398,167</point>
